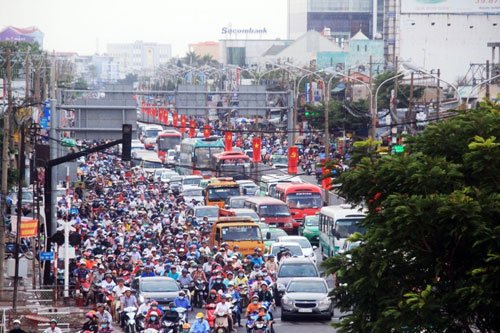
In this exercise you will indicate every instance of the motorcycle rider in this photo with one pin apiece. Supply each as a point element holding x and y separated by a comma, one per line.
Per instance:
<point>17,327</point>
<point>92,324</point>
<point>253,306</point>
<point>171,315</point>
<point>103,315</point>
<point>182,302</point>
<point>185,279</point>
<point>224,307</point>
<point>127,300</point>
<point>200,325</point>
<point>153,321</point>
<point>53,327</point>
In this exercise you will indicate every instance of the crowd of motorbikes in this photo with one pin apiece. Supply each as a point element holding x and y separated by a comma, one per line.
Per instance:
<point>130,226</point>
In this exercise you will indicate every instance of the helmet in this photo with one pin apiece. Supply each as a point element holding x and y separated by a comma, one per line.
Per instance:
<point>90,314</point>
<point>17,321</point>
<point>228,296</point>
<point>53,321</point>
<point>199,315</point>
<point>153,313</point>
<point>213,291</point>
<point>255,296</point>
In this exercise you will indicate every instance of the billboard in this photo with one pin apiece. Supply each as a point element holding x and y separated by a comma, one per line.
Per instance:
<point>450,6</point>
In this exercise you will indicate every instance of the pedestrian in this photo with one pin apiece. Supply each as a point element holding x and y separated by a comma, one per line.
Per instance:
<point>17,327</point>
<point>53,327</point>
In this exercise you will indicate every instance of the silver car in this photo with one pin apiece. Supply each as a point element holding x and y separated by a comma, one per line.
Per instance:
<point>306,297</point>
<point>159,288</point>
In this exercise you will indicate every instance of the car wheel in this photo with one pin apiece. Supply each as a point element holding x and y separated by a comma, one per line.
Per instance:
<point>283,316</point>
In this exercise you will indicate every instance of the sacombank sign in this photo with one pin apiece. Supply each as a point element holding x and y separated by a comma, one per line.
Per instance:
<point>231,31</point>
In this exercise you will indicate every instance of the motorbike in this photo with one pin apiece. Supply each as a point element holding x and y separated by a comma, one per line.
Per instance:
<point>139,321</point>
<point>188,288</point>
<point>260,326</point>
<point>182,315</point>
<point>85,290</point>
<point>308,169</point>
<point>252,318</point>
<point>150,330</point>
<point>200,293</point>
<point>130,322</point>
<point>210,309</point>
<point>168,326</point>
<point>236,311</point>
<point>244,295</point>
<point>221,324</point>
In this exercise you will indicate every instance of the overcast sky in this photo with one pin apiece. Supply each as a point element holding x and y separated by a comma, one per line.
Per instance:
<point>72,25</point>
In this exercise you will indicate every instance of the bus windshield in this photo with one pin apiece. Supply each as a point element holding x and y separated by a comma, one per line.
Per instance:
<point>304,200</point>
<point>168,142</point>
<point>346,227</point>
<point>152,165</point>
<point>203,155</point>
<point>273,211</point>
<point>241,233</point>
<point>222,193</point>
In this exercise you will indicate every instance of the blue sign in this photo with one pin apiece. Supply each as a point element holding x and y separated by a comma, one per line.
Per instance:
<point>74,211</point>
<point>46,256</point>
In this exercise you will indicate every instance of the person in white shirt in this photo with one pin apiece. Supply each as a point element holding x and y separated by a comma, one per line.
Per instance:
<point>224,306</point>
<point>53,327</point>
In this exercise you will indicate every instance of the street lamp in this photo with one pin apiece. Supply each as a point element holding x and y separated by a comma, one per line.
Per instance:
<point>374,124</point>
<point>476,86</point>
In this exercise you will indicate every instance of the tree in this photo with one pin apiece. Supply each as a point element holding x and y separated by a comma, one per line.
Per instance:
<point>384,95</point>
<point>430,258</point>
<point>130,78</point>
<point>191,58</point>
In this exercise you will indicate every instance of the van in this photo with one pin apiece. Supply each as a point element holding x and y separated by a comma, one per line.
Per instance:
<point>273,212</point>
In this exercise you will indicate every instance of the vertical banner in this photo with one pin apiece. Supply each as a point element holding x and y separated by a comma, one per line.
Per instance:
<point>192,128</point>
<point>183,123</point>
<point>166,116</point>
<point>326,182</point>
<point>293,160</point>
<point>228,141</point>
<point>256,144</point>
<point>206,131</point>
<point>175,119</point>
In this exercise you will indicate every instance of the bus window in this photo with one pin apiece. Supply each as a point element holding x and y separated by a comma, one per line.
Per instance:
<point>241,233</point>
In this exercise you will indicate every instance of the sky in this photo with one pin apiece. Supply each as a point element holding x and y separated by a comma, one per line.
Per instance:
<point>82,26</point>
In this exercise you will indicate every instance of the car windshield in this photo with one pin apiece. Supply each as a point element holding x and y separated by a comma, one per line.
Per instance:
<point>222,193</point>
<point>152,165</point>
<point>191,181</point>
<point>295,250</point>
<point>168,175</point>
<point>27,196</point>
<point>304,243</point>
<point>279,159</point>
<point>297,270</point>
<point>273,211</point>
<point>312,221</point>
<point>304,200</point>
<point>346,227</point>
<point>237,203</point>
<point>276,233</point>
<point>307,287</point>
<point>241,233</point>
<point>168,142</point>
<point>152,133</point>
<point>192,193</point>
<point>151,286</point>
<point>209,212</point>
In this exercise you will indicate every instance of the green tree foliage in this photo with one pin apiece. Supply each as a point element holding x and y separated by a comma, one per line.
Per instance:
<point>430,258</point>
<point>348,116</point>
<point>384,94</point>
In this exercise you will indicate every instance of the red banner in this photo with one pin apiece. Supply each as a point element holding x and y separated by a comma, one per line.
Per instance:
<point>228,141</point>
<point>165,115</point>
<point>293,160</point>
<point>175,119</point>
<point>28,227</point>
<point>256,144</point>
<point>326,182</point>
<point>206,131</point>
<point>183,123</point>
<point>192,128</point>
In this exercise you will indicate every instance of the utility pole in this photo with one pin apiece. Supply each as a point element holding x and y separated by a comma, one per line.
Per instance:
<point>394,108</point>
<point>5,165</point>
<point>410,117</point>
<point>327,132</point>
<point>487,94</point>
<point>438,93</point>
<point>27,74</point>
<point>373,128</point>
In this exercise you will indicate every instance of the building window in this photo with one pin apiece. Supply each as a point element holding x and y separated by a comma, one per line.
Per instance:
<point>236,56</point>
<point>358,48</point>
<point>366,48</point>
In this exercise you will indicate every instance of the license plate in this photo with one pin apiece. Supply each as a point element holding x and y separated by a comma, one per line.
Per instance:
<point>306,310</point>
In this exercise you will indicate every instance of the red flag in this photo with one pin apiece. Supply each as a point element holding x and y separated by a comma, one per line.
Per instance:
<point>326,182</point>
<point>206,131</point>
<point>183,123</point>
<point>160,116</point>
<point>192,128</point>
<point>228,141</point>
<point>166,117</point>
<point>256,144</point>
<point>293,160</point>
<point>175,119</point>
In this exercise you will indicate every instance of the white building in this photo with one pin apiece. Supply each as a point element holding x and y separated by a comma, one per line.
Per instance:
<point>243,52</point>
<point>139,56</point>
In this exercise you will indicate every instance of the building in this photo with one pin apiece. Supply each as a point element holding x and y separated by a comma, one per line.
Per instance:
<point>448,35</point>
<point>246,52</point>
<point>343,17</point>
<point>29,34</point>
<point>203,48</point>
<point>139,56</point>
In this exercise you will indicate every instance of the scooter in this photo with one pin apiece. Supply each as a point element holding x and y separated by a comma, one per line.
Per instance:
<point>139,321</point>
<point>221,324</point>
<point>168,326</point>
<point>200,289</point>
<point>260,326</point>
<point>251,321</point>
<point>210,308</point>
<point>236,312</point>
<point>130,322</point>
<point>182,315</point>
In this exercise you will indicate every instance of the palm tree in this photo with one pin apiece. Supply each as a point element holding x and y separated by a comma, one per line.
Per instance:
<point>191,58</point>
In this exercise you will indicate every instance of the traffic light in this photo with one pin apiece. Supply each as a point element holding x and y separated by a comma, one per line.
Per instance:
<point>127,142</point>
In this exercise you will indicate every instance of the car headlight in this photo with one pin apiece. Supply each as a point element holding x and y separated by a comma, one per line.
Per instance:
<point>325,302</point>
<point>280,287</point>
<point>286,301</point>
<point>141,299</point>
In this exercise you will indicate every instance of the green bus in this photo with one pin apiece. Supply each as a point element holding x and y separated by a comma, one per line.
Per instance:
<point>336,224</point>
<point>195,154</point>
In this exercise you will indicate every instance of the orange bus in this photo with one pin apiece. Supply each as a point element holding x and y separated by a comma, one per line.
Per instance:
<point>167,140</point>
<point>231,164</point>
<point>301,198</point>
<point>236,230</point>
